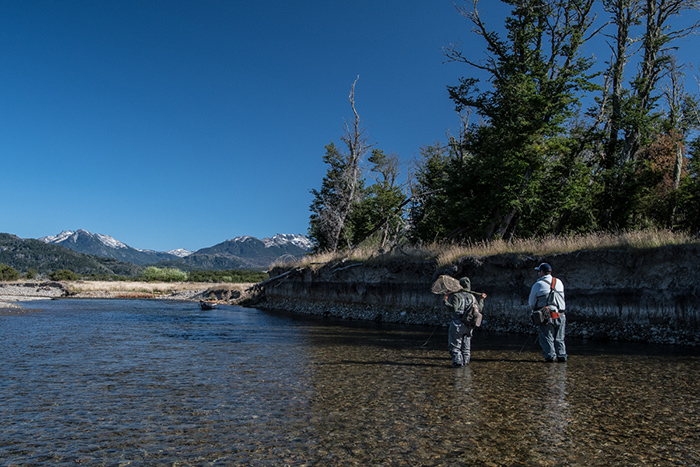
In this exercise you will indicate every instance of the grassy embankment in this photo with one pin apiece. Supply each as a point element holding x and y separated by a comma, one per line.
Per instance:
<point>444,254</point>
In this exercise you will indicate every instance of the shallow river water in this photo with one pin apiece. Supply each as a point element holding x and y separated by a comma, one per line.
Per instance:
<point>146,382</point>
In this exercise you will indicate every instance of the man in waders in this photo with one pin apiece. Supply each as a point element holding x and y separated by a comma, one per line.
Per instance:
<point>462,304</point>
<point>547,304</point>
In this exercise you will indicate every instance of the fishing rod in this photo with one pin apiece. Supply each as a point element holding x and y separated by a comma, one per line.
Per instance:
<point>527,337</point>
<point>431,335</point>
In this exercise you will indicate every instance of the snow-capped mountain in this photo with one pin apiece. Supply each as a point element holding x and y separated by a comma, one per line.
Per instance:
<point>105,246</point>
<point>255,252</point>
<point>240,252</point>
<point>300,241</point>
<point>180,252</point>
<point>77,236</point>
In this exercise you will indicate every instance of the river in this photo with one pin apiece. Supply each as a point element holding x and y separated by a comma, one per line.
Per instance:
<point>154,382</point>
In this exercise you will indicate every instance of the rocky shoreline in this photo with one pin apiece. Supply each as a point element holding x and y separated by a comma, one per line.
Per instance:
<point>19,292</point>
<point>12,294</point>
<point>620,332</point>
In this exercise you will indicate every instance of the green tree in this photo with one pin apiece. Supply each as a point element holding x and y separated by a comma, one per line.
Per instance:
<point>631,115</point>
<point>688,200</point>
<point>331,207</point>
<point>380,213</point>
<point>341,189</point>
<point>431,208</point>
<point>537,76</point>
<point>154,274</point>
<point>63,275</point>
<point>8,273</point>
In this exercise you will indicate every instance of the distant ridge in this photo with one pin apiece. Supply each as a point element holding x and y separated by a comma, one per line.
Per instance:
<point>244,252</point>
<point>106,246</point>
<point>256,253</point>
<point>26,254</point>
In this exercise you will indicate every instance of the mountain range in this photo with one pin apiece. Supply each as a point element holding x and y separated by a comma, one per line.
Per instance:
<point>27,254</point>
<point>238,253</point>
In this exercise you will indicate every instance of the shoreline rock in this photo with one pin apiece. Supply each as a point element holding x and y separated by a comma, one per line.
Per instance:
<point>25,291</point>
<point>34,290</point>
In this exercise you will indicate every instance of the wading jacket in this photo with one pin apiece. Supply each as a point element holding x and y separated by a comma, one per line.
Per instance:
<point>540,292</point>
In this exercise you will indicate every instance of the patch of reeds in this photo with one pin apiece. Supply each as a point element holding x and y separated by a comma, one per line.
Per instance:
<point>448,253</point>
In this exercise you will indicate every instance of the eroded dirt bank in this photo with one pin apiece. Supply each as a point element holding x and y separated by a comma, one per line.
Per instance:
<point>650,295</point>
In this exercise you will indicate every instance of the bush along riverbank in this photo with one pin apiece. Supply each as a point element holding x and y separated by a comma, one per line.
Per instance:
<point>636,295</point>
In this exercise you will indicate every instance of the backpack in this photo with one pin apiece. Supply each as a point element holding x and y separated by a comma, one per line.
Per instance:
<point>472,316</point>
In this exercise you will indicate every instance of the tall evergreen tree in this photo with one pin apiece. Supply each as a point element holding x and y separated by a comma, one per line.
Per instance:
<point>381,212</point>
<point>537,75</point>
<point>430,208</point>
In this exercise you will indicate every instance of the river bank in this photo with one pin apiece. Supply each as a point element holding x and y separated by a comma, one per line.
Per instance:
<point>647,295</point>
<point>12,294</point>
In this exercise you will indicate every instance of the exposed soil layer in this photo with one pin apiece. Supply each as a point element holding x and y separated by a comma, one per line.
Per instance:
<point>647,295</point>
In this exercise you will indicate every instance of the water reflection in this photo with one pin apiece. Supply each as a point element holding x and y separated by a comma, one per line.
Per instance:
<point>105,382</point>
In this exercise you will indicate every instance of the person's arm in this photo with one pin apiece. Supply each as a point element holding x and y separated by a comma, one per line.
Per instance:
<point>480,302</point>
<point>532,300</point>
<point>450,301</point>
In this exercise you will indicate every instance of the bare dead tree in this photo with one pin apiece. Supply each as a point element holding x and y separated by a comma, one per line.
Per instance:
<point>357,146</point>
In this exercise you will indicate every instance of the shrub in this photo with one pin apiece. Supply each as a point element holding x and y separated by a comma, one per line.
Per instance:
<point>8,273</point>
<point>234,276</point>
<point>154,274</point>
<point>63,275</point>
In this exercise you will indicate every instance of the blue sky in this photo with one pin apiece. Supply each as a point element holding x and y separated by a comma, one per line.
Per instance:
<point>180,124</point>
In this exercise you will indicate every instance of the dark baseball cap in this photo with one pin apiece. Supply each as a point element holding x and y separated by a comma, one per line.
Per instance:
<point>544,267</point>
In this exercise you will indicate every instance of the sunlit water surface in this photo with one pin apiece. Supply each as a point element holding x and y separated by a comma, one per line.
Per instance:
<point>138,382</point>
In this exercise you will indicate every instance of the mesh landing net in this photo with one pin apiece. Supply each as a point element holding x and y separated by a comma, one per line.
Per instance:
<point>445,284</point>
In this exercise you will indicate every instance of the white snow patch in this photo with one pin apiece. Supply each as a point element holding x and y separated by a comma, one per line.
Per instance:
<point>180,252</point>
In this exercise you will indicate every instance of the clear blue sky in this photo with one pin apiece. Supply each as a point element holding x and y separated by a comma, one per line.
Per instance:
<point>179,124</point>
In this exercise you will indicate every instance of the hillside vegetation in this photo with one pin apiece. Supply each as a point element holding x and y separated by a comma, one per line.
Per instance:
<point>30,254</point>
<point>556,137</point>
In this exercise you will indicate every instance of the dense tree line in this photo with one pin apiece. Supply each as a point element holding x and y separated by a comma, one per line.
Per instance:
<point>553,141</point>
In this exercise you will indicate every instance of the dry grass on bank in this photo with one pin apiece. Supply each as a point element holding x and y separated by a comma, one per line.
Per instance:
<point>553,245</point>
<point>445,254</point>
<point>155,288</point>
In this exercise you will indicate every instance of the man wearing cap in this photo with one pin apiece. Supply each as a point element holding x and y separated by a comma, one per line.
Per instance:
<point>460,334</point>
<point>551,332</point>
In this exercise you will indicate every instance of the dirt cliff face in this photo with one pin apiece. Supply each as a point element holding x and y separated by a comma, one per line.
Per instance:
<point>650,295</point>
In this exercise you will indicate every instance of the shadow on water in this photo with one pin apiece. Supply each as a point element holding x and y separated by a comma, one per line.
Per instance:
<point>147,382</point>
